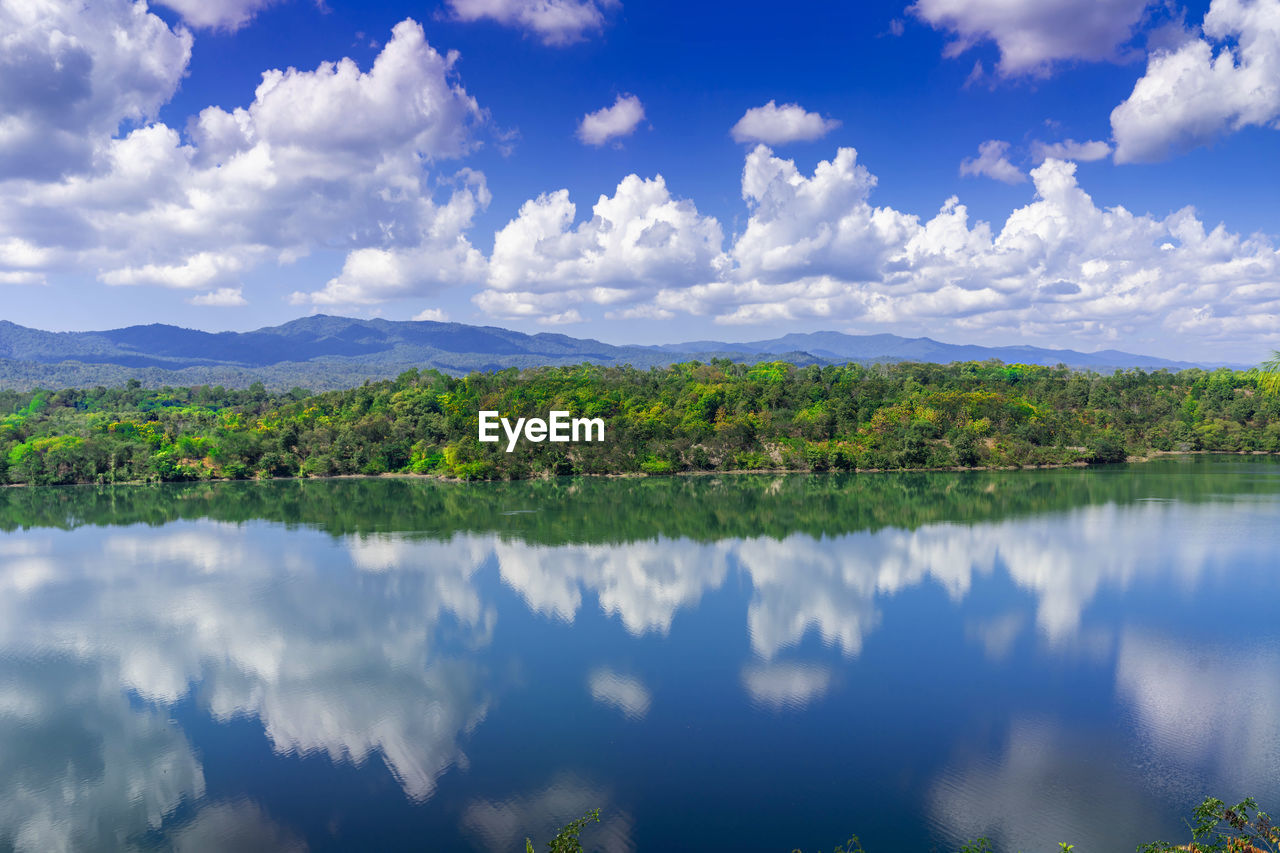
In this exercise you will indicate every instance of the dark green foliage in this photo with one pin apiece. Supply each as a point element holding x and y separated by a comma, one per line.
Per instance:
<point>566,840</point>
<point>690,417</point>
<point>1219,828</point>
<point>981,845</point>
<point>1105,447</point>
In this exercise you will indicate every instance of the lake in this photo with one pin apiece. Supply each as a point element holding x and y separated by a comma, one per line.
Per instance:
<point>741,663</point>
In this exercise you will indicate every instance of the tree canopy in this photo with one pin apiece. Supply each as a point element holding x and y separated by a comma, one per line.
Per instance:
<point>716,416</point>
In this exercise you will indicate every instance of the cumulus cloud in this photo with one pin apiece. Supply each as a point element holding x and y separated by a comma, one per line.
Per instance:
<point>555,22</point>
<point>638,240</point>
<point>20,260</point>
<point>814,247</point>
<point>223,297</point>
<point>564,318</point>
<point>71,73</point>
<point>443,257</point>
<point>196,271</point>
<point>19,277</point>
<point>1206,87</point>
<point>1069,149</point>
<point>327,158</point>
<point>778,125</point>
<point>217,14</point>
<point>1032,35</point>
<point>22,253</point>
<point>613,122</point>
<point>812,226</point>
<point>993,162</point>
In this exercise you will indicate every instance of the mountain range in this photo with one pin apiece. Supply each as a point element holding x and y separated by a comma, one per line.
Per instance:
<point>323,352</point>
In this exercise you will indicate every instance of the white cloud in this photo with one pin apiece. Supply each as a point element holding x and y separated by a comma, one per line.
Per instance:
<point>993,162</point>
<point>562,319</point>
<point>1192,95</point>
<point>640,312</point>
<point>1069,149</point>
<point>434,315</point>
<point>332,157</point>
<point>1060,268</point>
<point>778,125</point>
<point>444,257</point>
<point>613,122</point>
<point>223,297</point>
<point>16,253</point>
<point>20,277</point>
<point>217,14</point>
<point>70,73</point>
<point>638,240</point>
<point>805,226</point>
<point>337,111</point>
<point>1032,35</point>
<point>556,22</point>
<point>197,271</point>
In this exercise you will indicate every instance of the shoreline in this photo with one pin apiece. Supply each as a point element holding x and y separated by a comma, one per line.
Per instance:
<point>403,475</point>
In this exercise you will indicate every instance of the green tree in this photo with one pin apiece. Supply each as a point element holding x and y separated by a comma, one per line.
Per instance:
<point>1269,374</point>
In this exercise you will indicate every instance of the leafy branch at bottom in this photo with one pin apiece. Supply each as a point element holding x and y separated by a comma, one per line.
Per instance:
<point>1220,828</point>
<point>1217,828</point>
<point>566,840</point>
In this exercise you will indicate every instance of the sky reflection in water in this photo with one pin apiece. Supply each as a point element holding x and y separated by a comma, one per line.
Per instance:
<point>1083,668</point>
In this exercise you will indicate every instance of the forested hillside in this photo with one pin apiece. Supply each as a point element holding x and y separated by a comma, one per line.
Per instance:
<point>721,415</point>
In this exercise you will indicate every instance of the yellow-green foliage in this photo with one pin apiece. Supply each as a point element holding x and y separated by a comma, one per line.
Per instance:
<point>696,416</point>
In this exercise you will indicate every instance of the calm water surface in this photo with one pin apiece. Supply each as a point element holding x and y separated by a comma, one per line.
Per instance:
<point>745,663</point>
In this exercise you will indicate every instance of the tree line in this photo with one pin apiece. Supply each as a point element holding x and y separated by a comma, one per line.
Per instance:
<point>716,416</point>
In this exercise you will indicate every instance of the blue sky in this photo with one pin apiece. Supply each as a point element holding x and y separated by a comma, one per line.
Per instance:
<point>1084,174</point>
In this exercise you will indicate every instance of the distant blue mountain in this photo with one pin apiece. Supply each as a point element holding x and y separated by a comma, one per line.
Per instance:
<point>321,351</point>
<point>842,347</point>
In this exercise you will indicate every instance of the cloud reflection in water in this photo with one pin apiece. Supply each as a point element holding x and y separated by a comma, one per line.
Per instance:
<point>339,646</point>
